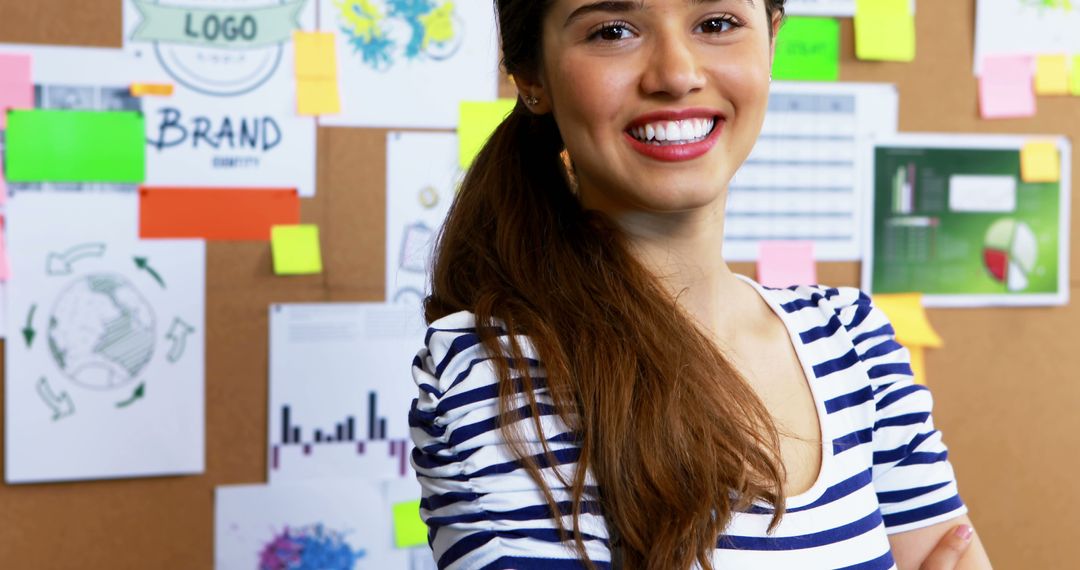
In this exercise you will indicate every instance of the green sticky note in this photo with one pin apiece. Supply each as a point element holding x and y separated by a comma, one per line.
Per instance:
<point>884,30</point>
<point>75,146</point>
<point>808,49</point>
<point>409,528</point>
<point>296,249</point>
<point>477,120</point>
<point>1074,79</point>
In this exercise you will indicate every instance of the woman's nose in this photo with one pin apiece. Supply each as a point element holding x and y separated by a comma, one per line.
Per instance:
<point>672,68</point>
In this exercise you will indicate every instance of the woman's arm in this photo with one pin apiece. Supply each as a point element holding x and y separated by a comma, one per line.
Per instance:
<point>913,549</point>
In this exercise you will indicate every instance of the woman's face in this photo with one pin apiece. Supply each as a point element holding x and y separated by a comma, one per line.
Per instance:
<point>658,101</point>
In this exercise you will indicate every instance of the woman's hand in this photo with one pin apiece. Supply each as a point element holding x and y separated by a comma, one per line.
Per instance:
<point>946,555</point>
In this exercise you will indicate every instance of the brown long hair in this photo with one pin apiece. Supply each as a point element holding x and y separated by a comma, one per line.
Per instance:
<point>675,438</point>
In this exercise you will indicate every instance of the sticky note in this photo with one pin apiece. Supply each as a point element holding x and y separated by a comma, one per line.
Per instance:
<point>315,55</point>
<point>296,249</point>
<point>918,363</point>
<point>808,49</point>
<point>909,320</point>
<point>317,97</point>
<point>409,528</point>
<point>215,213</point>
<point>5,264</point>
<point>1006,88</point>
<point>884,30</point>
<point>75,146</point>
<point>476,122</point>
<point>1074,78</point>
<point>1052,75</point>
<point>16,85</point>
<point>144,89</point>
<point>786,263</point>
<point>1040,162</point>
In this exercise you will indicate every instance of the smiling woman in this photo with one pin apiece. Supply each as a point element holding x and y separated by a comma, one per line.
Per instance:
<point>597,387</point>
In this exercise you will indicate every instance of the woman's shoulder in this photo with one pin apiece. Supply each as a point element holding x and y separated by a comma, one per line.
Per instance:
<point>830,300</point>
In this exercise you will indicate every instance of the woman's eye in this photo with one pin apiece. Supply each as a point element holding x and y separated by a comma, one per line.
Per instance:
<point>718,25</point>
<point>611,33</point>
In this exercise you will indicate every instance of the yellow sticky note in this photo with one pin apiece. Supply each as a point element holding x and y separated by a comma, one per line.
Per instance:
<point>884,30</point>
<point>315,55</point>
<point>1052,75</point>
<point>317,97</point>
<point>1074,79</point>
<point>409,528</point>
<point>1040,162</point>
<point>476,121</point>
<point>296,249</point>
<point>918,363</point>
<point>905,311</point>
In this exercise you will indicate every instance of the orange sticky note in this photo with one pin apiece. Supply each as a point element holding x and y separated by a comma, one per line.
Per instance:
<point>1040,162</point>
<point>918,363</point>
<point>317,97</point>
<point>16,86</point>
<point>909,320</point>
<point>1052,75</point>
<point>786,263</point>
<point>296,249</point>
<point>215,213</point>
<point>144,89</point>
<point>315,55</point>
<point>1006,89</point>
<point>5,265</point>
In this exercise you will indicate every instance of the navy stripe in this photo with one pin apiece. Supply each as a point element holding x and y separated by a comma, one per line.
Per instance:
<point>896,454</point>
<point>476,540</point>
<point>882,370</point>
<point>861,396</point>
<point>924,458</point>
<point>465,433</point>
<point>902,420</point>
<point>824,331</point>
<point>518,563</point>
<point>833,493</point>
<point>883,562</point>
<point>884,330</point>
<point>853,439</point>
<point>837,364</point>
<point>923,513</point>
<point>460,343</point>
<point>908,494</point>
<point>812,540</point>
<point>892,397</point>
<point>862,310</point>
<point>888,346</point>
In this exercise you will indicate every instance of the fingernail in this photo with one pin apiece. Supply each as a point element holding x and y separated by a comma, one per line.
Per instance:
<point>964,532</point>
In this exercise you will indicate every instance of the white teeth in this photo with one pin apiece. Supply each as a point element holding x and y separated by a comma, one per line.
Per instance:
<point>674,131</point>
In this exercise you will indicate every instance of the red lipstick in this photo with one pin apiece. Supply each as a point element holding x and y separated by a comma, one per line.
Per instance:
<point>676,152</point>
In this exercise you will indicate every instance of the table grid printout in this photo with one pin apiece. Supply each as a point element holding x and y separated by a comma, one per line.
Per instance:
<point>801,182</point>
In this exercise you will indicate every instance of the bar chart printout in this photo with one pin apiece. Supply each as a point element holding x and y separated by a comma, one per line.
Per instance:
<point>802,180</point>
<point>340,390</point>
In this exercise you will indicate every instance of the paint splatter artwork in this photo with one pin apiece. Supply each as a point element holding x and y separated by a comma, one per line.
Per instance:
<point>312,547</point>
<point>385,32</point>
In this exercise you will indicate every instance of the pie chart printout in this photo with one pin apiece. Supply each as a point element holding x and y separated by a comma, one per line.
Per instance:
<point>1010,253</point>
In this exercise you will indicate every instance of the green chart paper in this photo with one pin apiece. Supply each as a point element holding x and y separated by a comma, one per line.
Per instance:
<point>75,146</point>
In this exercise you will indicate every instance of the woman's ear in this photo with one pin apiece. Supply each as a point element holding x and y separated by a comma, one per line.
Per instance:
<point>776,24</point>
<point>532,92</point>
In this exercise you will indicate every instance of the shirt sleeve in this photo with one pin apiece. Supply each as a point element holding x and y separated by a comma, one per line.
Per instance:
<point>913,479</point>
<point>482,509</point>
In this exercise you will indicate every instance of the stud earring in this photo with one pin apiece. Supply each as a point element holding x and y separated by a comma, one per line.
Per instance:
<point>531,100</point>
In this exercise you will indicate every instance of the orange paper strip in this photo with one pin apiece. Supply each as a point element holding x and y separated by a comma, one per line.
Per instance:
<point>227,214</point>
<point>161,89</point>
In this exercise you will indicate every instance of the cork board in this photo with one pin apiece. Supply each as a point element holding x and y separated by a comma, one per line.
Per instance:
<point>1005,385</point>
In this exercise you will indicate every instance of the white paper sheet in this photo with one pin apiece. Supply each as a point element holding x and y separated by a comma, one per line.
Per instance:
<point>802,181</point>
<point>422,175</point>
<point>333,524</point>
<point>340,390</point>
<point>820,7</point>
<point>111,382</point>
<point>409,66</point>
<point>1025,27</point>
<point>232,120</point>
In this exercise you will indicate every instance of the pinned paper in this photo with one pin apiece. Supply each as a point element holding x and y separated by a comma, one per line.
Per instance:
<point>215,213</point>
<point>786,263</point>
<point>144,89</point>
<point>1052,75</point>
<point>1006,88</point>
<point>909,320</point>
<point>409,528</point>
<point>3,185</point>
<point>918,363</point>
<point>1074,79</point>
<point>75,146</point>
<point>317,90</point>
<point>1040,162</point>
<point>296,249</point>
<point>884,30</point>
<point>16,85</point>
<point>808,49</point>
<point>478,119</point>
<point>5,265</point>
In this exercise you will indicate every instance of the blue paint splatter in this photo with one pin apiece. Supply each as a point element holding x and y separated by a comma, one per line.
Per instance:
<point>308,548</point>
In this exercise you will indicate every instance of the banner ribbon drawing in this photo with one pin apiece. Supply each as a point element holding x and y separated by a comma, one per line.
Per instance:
<point>229,28</point>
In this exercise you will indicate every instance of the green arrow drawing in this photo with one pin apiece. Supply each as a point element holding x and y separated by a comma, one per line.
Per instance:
<point>135,396</point>
<point>144,264</point>
<point>28,332</point>
<point>178,334</point>
<point>60,263</point>
<point>61,405</point>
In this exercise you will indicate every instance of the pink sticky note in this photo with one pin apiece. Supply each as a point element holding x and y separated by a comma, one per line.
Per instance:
<point>1006,87</point>
<point>16,86</point>
<point>786,263</point>
<point>5,267</point>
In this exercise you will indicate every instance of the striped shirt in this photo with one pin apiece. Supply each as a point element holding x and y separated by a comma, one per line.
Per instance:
<point>884,467</point>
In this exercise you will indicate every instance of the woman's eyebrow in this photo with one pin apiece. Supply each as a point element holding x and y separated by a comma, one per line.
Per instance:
<point>622,6</point>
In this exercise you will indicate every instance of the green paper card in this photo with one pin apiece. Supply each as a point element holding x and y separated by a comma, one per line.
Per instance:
<point>75,146</point>
<point>409,528</point>
<point>808,49</point>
